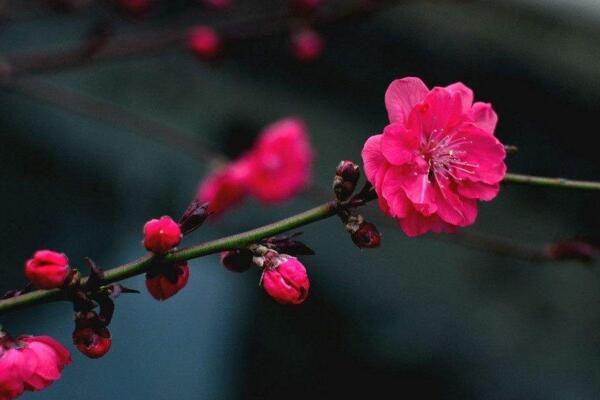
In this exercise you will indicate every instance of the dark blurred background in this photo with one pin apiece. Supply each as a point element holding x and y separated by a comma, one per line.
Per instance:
<point>418,318</point>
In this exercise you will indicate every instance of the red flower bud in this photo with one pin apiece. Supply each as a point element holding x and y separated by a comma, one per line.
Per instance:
<point>166,281</point>
<point>204,42</point>
<point>239,260</point>
<point>346,178</point>
<point>91,336</point>
<point>286,281</point>
<point>367,236</point>
<point>47,269</point>
<point>161,235</point>
<point>307,45</point>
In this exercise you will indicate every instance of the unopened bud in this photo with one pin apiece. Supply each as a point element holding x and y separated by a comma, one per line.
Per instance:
<point>161,235</point>
<point>345,180</point>
<point>239,260</point>
<point>287,281</point>
<point>165,281</point>
<point>91,336</point>
<point>47,269</point>
<point>364,234</point>
<point>193,217</point>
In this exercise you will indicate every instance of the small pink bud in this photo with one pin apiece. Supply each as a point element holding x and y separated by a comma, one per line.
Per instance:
<point>307,46</point>
<point>204,42</point>
<point>218,4</point>
<point>287,281</point>
<point>367,236</point>
<point>345,180</point>
<point>166,281</point>
<point>239,260</point>
<point>47,269</point>
<point>161,235</point>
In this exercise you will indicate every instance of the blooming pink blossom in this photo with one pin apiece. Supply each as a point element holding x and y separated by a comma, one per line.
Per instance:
<point>204,42</point>
<point>280,161</point>
<point>437,157</point>
<point>29,363</point>
<point>286,281</point>
<point>161,235</point>
<point>225,188</point>
<point>307,45</point>
<point>47,269</point>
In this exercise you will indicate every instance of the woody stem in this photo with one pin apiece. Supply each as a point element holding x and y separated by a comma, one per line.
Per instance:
<point>552,182</point>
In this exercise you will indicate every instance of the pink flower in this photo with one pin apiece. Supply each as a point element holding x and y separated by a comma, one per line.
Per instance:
<point>161,235</point>
<point>166,282</point>
<point>29,363</point>
<point>47,269</point>
<point>225,188</point>
<point>204,42</point>
<point>280,161</point>
<point>307,45</point>
<point>286,281</point>
<point>437,157</point>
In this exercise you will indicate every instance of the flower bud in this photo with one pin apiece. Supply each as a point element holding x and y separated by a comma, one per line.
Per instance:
<point>193,217</point>
<point>575,250</point>
<point>307,46</point>
<point>161,235</point>
<point>204,42</point>
<point>367,236</point>
<point>239,260</point>
<point>166,280</point>
<point>47,269</point>
<point>345,180</point>
<point>285,280</point>
<point>91,336</point>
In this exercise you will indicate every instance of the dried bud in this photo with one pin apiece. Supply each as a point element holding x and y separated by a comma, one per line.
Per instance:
<point>161,235</point>
<point>204,42</point>
<point>165,281</point>
<point>345,180</point>
<point>47,269</point>
<point>364,234</point>
<point>307,45</point>
<point>367,236</point>
<point>193,217</point>
<point>575,250</point>
<point>285,280</point>
<point>91,336</point>
<point>239,260</point>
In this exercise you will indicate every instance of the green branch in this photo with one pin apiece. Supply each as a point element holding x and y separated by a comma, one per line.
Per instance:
<point>142,264</point>
<point>552,182</point>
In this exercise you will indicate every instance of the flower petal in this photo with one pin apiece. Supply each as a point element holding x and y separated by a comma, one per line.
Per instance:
<point>484,153</point>
<point>399,143</point>
<point>372,157</point>
<point>478,190</point>
<point>442,110</point>
<point>464,92</point>
<point>484,117</point>
<point>402,95</point>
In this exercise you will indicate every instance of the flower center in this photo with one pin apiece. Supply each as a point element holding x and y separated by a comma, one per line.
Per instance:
<point>444,155</point>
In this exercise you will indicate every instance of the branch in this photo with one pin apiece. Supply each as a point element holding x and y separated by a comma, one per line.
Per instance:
<point>552,182</point>
<point>142,264</point>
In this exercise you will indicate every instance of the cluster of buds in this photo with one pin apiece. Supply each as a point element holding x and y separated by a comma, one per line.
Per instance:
<point>91,335</point>
<point>162,235</point>
<point>284,277</point>
<point>364,234</point>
